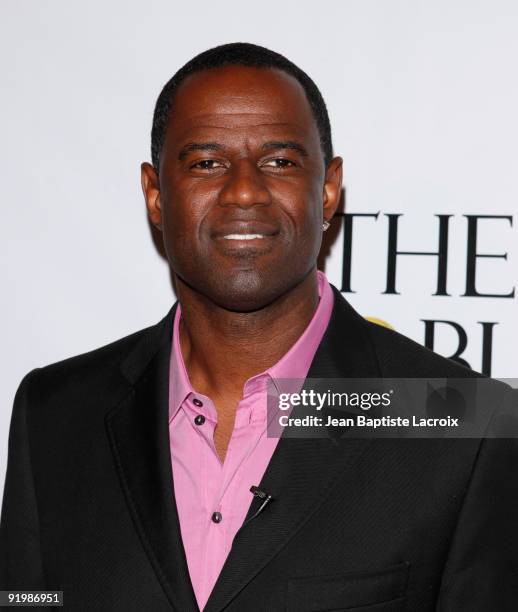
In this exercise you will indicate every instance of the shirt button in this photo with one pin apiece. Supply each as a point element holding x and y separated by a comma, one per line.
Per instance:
<point>197,402</point>
<point>217,517</point>
<point>199,420</point>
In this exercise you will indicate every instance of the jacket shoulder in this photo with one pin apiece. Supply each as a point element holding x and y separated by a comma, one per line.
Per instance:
<point>88,372</point>
<point>107,354</point>
<point>400,356</point>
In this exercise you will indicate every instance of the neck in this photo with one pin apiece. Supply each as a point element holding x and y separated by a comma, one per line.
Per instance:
<point>222,349</point>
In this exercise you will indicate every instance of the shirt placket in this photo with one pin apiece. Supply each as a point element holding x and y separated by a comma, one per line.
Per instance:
<point>218,482</point>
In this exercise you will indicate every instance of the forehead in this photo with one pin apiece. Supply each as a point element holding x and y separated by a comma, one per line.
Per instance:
<point>241,98</point>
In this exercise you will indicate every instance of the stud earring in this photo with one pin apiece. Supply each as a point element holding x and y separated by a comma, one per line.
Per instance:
<point>325,225</point>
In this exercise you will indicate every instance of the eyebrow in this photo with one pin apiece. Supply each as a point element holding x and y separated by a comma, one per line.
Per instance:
<point>198,146</point>
<point>285,144</point>
<point>214,146</point>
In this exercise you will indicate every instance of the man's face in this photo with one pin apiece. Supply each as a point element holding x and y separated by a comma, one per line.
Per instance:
<point>242,188</point>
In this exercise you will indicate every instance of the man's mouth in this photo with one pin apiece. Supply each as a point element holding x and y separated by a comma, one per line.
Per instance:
<point>241,230</point>
<point>239,236</point>
<point>246,238</point>
<point>243,236</point>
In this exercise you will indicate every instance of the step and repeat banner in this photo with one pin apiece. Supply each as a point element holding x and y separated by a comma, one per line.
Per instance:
<point>447,280</point>
<point>422,98</point>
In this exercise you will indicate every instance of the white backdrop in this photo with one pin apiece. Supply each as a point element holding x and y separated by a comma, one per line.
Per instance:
<point>422,97</point>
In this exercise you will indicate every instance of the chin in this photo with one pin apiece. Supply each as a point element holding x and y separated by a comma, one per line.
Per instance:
<point>245,290</point>
<point>242,290</point>
<point>244,295</point>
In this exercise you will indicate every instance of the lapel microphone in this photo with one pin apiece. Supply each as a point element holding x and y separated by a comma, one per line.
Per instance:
<point>256,491</point>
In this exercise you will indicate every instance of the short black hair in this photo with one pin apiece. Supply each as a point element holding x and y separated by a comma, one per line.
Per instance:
<point>243,54</point>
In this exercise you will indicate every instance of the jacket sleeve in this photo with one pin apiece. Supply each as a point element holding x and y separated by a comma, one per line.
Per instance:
<point>482,569</point>
<point>20,552</point>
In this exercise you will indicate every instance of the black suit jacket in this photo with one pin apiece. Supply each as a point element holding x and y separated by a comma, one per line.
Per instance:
<point>373,525</point>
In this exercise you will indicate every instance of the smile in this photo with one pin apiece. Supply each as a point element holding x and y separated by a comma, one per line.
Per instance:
<point>243,236</point>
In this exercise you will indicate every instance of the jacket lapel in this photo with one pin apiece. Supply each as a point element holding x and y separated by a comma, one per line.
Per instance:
<point>139,438</point>
<point>302,471</point>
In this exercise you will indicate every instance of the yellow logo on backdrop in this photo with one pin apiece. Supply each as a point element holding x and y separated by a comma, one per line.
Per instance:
<point>380,322</point>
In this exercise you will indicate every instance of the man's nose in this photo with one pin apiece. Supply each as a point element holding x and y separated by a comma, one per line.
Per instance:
<point>245,186</point>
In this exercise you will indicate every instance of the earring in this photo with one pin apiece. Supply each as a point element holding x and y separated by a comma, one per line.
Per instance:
<point>325,225</point>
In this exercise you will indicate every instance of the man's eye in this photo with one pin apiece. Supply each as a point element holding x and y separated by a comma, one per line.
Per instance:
<point>278,162</point>
<point>207,164</point>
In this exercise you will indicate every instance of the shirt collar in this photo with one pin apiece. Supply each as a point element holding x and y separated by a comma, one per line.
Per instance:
<point>291,368</point>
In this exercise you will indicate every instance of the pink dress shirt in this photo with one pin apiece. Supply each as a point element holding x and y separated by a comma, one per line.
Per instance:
<point>213,498</point>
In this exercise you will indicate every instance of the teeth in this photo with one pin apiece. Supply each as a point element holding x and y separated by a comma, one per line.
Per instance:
<point>242,236</point>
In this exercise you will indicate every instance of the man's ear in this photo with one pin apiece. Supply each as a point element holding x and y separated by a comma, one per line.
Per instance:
<point>151,190</point>
<point>332,187</point>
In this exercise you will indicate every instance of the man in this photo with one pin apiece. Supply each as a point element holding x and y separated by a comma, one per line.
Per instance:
<point>130,467</point>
